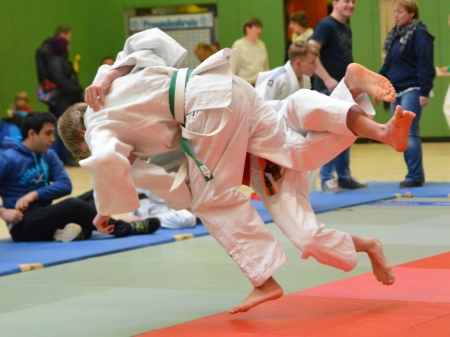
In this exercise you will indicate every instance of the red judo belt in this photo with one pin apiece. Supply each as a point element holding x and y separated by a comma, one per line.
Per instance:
<point>267,167</point>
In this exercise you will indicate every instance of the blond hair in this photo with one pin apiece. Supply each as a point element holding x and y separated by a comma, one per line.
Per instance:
<point>72,121</point>
<point>210,49</point>
<point>22,95</point>
<point>411,6</point>
<point>300,49</point>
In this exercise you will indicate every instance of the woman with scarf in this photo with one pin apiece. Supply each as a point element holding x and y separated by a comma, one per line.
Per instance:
<point>409,66</point>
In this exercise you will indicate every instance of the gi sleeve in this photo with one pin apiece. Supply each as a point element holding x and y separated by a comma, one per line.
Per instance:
<point>114,189</point>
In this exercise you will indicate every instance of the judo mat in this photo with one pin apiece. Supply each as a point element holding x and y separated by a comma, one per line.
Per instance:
<point>24,256</point>
<point>376,191</point>
<point>417,305</point>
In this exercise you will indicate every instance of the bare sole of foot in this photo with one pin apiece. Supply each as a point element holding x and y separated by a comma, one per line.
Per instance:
<point>268,291</point>
<point>397,129</point>
<point>380,265</point>
<point>360,80</point>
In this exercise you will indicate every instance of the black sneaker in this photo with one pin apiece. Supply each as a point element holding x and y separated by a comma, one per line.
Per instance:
<point>146,226</point>
<point>406,184</point>
<point>352,184</point>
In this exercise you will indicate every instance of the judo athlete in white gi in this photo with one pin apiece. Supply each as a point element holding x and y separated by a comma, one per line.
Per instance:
<point>279,83</point>
<point>224,119</point>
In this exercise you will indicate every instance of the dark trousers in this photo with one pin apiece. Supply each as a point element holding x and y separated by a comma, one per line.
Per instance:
<point>40,222</point>
<point>121,228</point>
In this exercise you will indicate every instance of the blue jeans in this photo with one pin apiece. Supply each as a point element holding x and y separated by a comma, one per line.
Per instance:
<point>413,154</point>
<point>340,164</point>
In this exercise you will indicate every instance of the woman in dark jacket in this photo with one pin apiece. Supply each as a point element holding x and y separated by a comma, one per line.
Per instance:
<point>60,71</point>
<point>409,66</point>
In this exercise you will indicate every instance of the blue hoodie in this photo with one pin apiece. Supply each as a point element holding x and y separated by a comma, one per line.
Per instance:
<point>414,67</point>
<point>22,171</point>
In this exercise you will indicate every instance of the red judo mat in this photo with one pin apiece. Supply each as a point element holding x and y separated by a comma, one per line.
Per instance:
<point>417,305</point>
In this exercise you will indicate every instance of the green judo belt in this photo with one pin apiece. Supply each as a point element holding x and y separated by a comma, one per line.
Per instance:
<point>177,87</point>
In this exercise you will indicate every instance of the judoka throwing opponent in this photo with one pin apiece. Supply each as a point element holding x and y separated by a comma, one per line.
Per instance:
<point>130,117</point>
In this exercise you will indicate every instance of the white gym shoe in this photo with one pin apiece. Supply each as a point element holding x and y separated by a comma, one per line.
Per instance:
<point>70,232</point>
<point>330,187</point>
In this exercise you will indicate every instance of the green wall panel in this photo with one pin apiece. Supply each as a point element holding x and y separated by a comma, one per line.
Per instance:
<point>99,30</point>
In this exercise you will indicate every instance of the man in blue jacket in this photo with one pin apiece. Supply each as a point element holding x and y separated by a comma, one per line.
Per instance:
<point>32,176</point>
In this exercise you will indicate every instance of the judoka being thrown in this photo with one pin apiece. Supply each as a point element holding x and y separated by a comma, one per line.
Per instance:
<point>143,107</point>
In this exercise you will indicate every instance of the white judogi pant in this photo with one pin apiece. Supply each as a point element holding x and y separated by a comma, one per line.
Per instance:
<point>228,215</point>
<point>291,209</point>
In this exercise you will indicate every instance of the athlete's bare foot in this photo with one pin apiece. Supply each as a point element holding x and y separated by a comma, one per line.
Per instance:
<point>396,131</point>
<point>361,80</point>
<point>380,265</point>
<point>269,290</point>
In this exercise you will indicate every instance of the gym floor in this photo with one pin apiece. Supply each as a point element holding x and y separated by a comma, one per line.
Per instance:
<point>142,290</point>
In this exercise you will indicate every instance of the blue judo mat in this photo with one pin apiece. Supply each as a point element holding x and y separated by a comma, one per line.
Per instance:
<point>376,191</point>
<point>13,254</point>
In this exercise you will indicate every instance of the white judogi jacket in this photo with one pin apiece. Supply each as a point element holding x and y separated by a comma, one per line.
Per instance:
<point>136,118</point>
<point>279,83</point>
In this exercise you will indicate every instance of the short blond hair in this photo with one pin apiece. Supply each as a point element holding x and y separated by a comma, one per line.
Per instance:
<point>411,6</point>
<point>22,95</point>
<point>211,49</point>
<point>300,49</point>
<point>72,121</point>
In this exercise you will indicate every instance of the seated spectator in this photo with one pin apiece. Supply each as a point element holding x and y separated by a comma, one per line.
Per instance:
<point>203,51</point>
<point>21,105</point>
<point>10,126</point>
<point>32,177</point>
<point>151,205</point>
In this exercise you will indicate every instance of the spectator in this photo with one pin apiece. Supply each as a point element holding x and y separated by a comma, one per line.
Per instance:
<point>333,37</point>
<point>251,55</point>
<point>32,177</point>
<point>10,126</point>
<point>45,51</point>
<point>409,65</point>
<point>298,24</point>
<point>21,105</point>
<point>204,50</point>
<point>56,71</point>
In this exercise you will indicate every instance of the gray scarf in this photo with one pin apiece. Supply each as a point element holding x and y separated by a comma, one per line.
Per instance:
<point>404,33</point>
